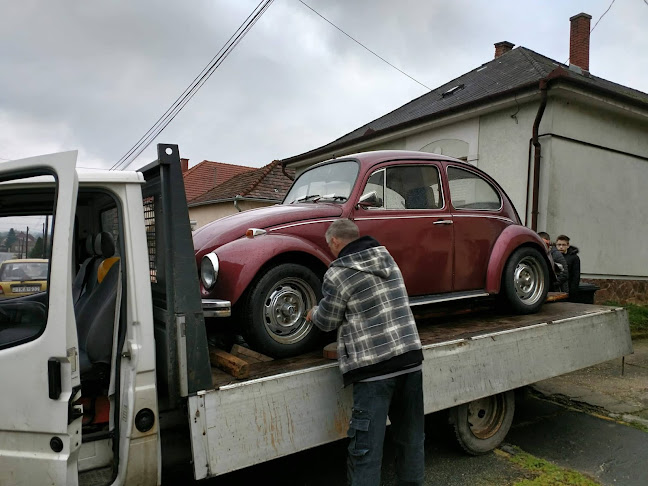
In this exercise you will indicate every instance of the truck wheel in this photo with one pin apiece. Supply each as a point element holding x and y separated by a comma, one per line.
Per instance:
<point>274,317</point>
<point>481,425</point>
<point>526,280</point>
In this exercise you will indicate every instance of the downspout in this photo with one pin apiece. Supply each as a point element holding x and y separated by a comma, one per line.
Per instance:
<point>236,200</point>
<point>536,157</point>
<point>283,169</point>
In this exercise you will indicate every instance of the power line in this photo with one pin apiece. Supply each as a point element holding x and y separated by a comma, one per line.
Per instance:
<point>362,45</point>
<point>608,9</point>
<point>195,85</point>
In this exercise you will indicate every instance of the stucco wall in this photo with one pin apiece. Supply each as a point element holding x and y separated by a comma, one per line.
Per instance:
<point>209,212</point>
<point>598,199</point>
<point>504,150</point>
<point>595,196</point>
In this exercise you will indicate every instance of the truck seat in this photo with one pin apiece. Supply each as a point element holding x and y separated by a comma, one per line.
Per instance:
<point>95,316</point>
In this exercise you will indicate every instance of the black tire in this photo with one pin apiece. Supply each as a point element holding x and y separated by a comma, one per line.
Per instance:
<point>525,281</point>
<point>481,425</point>
<point>274,314</point>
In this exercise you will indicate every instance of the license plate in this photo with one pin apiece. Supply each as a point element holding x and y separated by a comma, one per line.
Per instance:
<point>26,288</point>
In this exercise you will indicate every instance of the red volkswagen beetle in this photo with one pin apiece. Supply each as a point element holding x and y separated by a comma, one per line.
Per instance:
<point>450,227</point>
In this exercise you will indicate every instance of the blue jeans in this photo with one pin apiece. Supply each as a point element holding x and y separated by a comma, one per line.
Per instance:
<point>400,398</point>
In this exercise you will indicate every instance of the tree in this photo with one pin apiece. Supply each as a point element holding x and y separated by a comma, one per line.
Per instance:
<point>11,239</point>
<point>37,251</point>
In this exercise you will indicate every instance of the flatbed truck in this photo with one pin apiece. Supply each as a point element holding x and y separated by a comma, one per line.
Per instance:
<point>103,376</point>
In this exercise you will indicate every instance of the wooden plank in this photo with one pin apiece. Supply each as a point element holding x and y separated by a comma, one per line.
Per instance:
<point>556,296</point>
<point>234,365</point>
<point>246,354</point>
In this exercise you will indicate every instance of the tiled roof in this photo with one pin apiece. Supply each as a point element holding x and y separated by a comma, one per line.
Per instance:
<point>207,174</point>
<point>268,182</point>
<point>516,70</point>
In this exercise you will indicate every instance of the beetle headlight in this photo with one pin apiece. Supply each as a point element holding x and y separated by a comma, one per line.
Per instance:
<point>209,270</point>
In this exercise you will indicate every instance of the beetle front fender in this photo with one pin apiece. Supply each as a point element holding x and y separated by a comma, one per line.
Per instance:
<point>512,238</point>
<point>240,261</point>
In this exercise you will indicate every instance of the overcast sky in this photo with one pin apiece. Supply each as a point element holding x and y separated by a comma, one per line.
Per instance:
<point>94,76</point>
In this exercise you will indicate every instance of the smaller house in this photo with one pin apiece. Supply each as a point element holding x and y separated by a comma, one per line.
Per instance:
<point>206,175</point>
<point>252,189</point>
<point>18,245</point>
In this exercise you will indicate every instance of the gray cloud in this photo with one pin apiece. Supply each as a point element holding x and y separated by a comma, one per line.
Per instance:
<point>95,76</point>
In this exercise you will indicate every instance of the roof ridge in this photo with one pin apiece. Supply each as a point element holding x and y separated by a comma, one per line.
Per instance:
<point>265,171</point>
<point>527,54</point>
<point>209,162</point>
<point>228,163</point>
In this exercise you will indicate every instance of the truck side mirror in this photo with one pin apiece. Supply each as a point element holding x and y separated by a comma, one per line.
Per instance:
<point>369,200</point>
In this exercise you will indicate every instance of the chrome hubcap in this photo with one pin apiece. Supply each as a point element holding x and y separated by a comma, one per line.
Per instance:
<point>285,308</point>
<point>529,281</point>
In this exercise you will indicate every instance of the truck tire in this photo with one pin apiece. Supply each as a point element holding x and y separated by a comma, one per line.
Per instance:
<point>525,280</point>
<point>274,314</point>
<point>481,425</point>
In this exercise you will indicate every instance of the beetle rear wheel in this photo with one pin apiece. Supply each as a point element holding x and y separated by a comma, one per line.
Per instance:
<point>526,280</point>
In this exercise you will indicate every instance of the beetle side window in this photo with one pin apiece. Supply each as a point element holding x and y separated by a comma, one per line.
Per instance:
<point>416,187</point>
<point>469,191</point>
<point>375,188</point>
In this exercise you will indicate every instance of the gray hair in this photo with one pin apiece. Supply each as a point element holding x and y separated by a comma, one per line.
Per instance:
<point>344,229</point>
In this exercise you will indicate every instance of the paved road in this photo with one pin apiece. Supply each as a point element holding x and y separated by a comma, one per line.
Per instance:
<point>608,452</point>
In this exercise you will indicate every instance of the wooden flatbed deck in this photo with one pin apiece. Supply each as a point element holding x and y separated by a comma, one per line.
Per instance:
<point>456,323</point>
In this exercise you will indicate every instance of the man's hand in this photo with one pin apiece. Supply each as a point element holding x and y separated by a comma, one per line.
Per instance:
<point>309,316</point>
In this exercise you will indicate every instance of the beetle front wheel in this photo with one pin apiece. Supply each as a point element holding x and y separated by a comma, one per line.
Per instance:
<point>274,317</point>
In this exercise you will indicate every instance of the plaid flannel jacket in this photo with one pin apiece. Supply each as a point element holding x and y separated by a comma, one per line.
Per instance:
<point>364,297</point>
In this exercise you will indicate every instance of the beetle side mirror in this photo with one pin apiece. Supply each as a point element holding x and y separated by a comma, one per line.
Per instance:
<point>369,200</point>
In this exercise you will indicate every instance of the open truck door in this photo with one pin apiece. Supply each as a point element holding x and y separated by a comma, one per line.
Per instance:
<point>40,427</point>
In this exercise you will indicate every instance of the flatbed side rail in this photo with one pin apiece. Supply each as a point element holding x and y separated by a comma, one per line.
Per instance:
<point>250,422</point>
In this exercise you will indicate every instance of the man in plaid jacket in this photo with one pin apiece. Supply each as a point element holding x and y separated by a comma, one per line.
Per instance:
<point>379,352</point>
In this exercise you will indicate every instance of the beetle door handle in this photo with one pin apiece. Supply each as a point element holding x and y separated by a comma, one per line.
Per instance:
<point>443,221</point>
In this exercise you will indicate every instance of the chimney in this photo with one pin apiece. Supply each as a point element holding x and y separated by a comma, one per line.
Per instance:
<point>184,164</point>
<point>579,41</point>
<point>502,48</point>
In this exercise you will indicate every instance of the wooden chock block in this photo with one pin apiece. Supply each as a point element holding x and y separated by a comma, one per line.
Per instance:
<point>330,351</point>
<point>229,363</point>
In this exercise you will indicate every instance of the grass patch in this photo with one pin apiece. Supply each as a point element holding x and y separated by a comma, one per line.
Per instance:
<point>546,473</point>
<point>638,317</point>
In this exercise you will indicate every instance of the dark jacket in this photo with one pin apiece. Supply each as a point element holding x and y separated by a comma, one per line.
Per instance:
<point>364,297</point>
<point>561,268</point>
<point>573,263</point>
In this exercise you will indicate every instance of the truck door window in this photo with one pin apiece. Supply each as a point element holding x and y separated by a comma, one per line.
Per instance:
<point>26,224</point>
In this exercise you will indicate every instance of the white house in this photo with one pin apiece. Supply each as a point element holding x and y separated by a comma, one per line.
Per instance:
<point>570,149</point>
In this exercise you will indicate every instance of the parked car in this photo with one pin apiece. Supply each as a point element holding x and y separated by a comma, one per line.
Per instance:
<point>450,227</point>
<point>22,277</point>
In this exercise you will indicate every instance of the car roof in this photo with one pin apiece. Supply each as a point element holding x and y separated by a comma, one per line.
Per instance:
<point>368,159</point>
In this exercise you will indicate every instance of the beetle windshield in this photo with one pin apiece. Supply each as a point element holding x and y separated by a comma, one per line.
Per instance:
<point>330,182</point>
